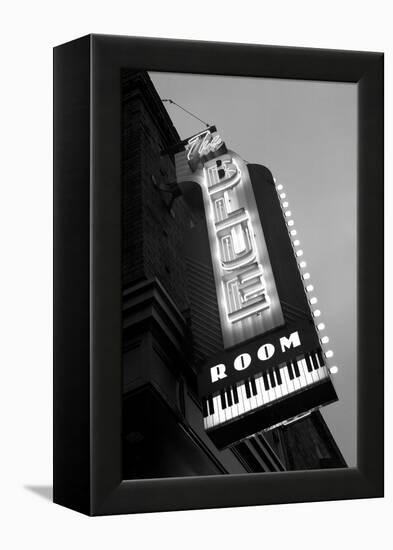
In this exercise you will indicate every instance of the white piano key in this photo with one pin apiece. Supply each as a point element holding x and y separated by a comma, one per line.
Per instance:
<point>222,410</point>
<point>289,382</point>
<point>315,372</point>
<point>307,374</point>
<point>322,369</point>
<point>266,393</point>
<point>210,418</point>
<point>271,393</point>
<point>228,411</point>
<point>208,421</point>
<point>246,403</point>
<point>217,407</point>
<point>261,390</point>
<point>217,410</point>
<point>278,389</point>
<point>324,373</point>
<point>296,381</point>
<point>253,401</point>
<point>302,379</point>
<point>284,388</point>
<point>259,397</point>
<point>241,403</point>
<point>319,370</point>
<point>274,389</point>
<point>235,411</point>
<point>315,375</point>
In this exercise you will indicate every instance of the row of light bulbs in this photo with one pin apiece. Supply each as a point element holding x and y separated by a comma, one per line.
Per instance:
<point>302,265</point>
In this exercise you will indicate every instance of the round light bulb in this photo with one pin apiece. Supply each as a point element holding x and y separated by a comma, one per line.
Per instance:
<point>317,313</point>
<point>296,242</point>
<point>325,340</point>
<point>285,204</point>
<point>288,213</point>
<point>291,223</point>
<point>293,232</point>
<point>303,264</point>
<point>283,196</point>
<point>280,187</point>
<point>334,370</point>
<point>329,354</point>
<point>299,252</point>
<point>313,300</point>
<point>306,276</point>
<point>321,326</point>
<point>309,288</point>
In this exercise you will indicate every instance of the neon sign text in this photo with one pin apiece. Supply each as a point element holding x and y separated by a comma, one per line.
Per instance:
<point>247,297</point>
<point>241,270</point>
<point>244,360</point>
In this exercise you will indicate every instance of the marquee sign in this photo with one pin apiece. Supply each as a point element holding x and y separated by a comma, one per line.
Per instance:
<point>272,367</point>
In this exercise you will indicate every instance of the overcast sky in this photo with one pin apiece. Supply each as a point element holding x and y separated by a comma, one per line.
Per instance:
<point>305,133</point>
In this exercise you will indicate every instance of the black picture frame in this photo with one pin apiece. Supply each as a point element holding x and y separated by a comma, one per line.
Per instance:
<point>87,275</point>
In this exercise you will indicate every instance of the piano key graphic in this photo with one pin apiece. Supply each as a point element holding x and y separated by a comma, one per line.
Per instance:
<point>271,391</point>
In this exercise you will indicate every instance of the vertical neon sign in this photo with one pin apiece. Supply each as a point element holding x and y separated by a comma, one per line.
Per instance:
<point>246,292</point>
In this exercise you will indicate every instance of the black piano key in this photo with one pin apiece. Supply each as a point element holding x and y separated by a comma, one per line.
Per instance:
<point>204,408</point>
<point>296,368</point>
<point>210,403</point>
<point>248,389</point>
<point>308,362</point>
<point>314,361</point>
<point>320,358</point>
<point>272,379</point>
<point>290,371</point>
<point>278,376</point>
<point>266,381</point>
<point>223,400</point>
<point>254,390</point>
<point>229,397</point>
<point>235,395</point>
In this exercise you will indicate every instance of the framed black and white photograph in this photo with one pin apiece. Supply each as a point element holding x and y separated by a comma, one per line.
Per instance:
<point>218,264</point>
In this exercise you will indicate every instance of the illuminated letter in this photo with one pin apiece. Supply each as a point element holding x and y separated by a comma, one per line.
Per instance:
<point>218,372</point>
<point>236,246</point>
<point>203,147</point>
<point>210,143</point>
<point>245,293</point>
<point>292,342</point>
<point>221,174</point>
<point>194,143</point>
<point>242,361</point>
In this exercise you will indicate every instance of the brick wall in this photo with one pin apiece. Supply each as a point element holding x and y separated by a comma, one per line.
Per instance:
<point>153,224</point>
